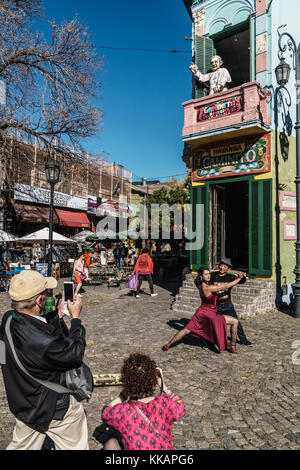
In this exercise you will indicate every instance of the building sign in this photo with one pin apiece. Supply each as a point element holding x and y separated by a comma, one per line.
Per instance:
<point>23,192</point>
<point>108,207</point>
<point>234,158</point>
<point>220,109</point>
<point>288,201</point>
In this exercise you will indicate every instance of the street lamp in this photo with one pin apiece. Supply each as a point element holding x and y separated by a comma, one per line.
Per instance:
<point>282,72</point>
<point>52,171</point>
<point>282,75</point>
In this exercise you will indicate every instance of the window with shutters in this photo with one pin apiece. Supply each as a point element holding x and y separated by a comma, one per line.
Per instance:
<point>233,46</point>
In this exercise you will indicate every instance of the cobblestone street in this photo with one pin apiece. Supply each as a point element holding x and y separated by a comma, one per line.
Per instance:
<point>246,401</point>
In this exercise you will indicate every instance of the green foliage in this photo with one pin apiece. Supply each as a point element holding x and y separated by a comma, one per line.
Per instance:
<point>172,194</point>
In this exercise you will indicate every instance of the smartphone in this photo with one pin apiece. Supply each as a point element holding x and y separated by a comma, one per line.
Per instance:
<point>69,291</point>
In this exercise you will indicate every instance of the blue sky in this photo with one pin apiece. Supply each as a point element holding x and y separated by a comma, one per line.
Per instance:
<point>142,92</point>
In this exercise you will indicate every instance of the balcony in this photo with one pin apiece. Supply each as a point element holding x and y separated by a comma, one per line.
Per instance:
<point>240,111</point>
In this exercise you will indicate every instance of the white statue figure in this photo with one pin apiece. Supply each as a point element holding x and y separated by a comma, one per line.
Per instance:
<point>217,79</point>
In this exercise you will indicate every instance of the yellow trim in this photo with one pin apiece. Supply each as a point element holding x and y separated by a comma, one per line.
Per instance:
<point>264,176</point>
<point>265,278</point>
<point>198,184</point>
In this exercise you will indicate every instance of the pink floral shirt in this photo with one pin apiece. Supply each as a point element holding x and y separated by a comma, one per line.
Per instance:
<point>136,433</point>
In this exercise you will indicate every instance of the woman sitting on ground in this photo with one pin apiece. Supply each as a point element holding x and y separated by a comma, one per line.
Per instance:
<point>143,419</point>
<point>206,321</point>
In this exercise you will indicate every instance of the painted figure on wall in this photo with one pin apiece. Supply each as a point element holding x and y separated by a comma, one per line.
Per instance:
<point>218,78</point>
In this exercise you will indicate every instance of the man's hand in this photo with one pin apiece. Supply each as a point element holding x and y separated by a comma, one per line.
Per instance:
<point>240,275</point>
<point>61,305</point>
<point>193,68</point>
<point>75,307</point>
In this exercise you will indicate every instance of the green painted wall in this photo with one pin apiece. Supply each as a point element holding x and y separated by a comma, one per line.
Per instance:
<point>287,172</point>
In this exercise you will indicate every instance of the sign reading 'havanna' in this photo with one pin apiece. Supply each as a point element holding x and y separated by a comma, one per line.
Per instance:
<point>235,158</point>
<point>220,109</point>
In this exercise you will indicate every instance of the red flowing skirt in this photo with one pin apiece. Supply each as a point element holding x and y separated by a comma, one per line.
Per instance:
<point>209,324</point>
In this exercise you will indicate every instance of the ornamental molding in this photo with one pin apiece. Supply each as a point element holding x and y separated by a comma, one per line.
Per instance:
<point>241,5</point>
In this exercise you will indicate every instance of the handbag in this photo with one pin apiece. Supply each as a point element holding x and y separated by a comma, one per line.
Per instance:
<point>104,432</point>
<point>79,381</point>
<point>133,281</point>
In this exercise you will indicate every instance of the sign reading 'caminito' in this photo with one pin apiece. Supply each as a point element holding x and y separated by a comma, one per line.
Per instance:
<point>234,158</point>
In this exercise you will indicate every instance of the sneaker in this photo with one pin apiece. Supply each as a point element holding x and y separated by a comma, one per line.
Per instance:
<point>154,295</point>
<point>137,296</point>
<point>247,343</point>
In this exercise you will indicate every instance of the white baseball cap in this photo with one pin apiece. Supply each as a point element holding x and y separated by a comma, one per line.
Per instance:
<point>29,283</point>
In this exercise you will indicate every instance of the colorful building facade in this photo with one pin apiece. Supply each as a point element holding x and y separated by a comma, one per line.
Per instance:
<point>240,143</point>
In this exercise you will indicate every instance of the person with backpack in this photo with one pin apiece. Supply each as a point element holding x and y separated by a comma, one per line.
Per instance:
<point>144,268</point>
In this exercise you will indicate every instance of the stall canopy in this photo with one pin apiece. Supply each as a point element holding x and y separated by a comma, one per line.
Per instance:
<point>73,219</point>
<point>7,237</point>
<point>35,214</point>
<point>82,236</point>
<point>43,235</point>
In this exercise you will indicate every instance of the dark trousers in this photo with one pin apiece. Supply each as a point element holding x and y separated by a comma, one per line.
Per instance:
<point>149,279</point>
<point>227,308</point>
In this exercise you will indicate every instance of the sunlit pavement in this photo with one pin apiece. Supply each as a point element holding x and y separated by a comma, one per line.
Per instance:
<point>245,401</point>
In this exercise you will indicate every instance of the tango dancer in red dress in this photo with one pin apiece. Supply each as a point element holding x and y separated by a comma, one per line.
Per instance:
<point>206,322</point>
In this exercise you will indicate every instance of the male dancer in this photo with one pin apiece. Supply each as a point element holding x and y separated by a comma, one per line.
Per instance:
<point>224,304</point>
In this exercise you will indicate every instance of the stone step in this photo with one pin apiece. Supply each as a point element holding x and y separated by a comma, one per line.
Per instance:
<point>256,296</point>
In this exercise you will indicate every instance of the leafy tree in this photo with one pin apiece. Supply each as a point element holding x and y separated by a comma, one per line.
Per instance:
<point>173,194</point>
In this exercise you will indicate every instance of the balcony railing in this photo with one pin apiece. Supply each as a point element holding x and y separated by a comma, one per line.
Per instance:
<point>245,106</point>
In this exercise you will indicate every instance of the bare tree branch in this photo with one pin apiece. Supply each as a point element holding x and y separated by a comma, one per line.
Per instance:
<point>51,87</point>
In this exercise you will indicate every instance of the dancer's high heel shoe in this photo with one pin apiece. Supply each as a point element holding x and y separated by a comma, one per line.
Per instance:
<point>232,348</point>
<point>165,347</point>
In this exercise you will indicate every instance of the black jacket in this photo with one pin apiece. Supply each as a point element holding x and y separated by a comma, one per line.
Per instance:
<point>46,350</point>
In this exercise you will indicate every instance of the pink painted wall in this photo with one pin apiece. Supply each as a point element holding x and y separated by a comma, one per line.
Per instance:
<point>255,107</point>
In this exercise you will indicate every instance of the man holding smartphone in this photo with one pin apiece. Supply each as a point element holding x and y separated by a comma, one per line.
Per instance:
<point>46,349</point>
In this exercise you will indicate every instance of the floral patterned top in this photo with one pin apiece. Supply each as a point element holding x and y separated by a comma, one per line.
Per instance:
<point>136,433</point>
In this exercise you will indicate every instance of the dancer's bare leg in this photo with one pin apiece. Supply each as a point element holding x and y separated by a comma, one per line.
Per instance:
<point>178,336</point>
<point>233,322</point>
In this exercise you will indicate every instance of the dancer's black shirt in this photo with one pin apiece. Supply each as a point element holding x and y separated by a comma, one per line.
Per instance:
<point>224,295</point>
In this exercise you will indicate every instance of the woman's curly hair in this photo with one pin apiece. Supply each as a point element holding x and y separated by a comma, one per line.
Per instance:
<point>138,375</point>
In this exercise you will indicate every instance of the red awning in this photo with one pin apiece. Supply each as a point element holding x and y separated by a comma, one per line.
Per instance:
<point>73,219</point>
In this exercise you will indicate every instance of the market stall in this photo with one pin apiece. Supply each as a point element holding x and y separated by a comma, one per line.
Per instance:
<point>35,247</point>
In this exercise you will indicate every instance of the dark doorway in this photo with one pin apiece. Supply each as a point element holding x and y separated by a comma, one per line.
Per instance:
<point>234,49</point>
<point>229,224</point>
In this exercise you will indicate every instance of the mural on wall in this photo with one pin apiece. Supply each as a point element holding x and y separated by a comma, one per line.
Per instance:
<point>234,158</point>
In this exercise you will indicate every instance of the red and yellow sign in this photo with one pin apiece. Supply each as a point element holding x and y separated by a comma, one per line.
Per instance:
<point>233,158</point>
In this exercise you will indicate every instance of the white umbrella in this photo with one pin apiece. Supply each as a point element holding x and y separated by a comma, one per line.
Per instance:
<point>43,235</point>
<point>7,237</point>
<point>81,236</point>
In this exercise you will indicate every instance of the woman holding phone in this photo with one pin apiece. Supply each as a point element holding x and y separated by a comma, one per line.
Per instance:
<point>143,418</point>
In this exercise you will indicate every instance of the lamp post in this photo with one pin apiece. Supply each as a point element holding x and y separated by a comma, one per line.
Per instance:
<point>52,170</point>
<point>282,72</point>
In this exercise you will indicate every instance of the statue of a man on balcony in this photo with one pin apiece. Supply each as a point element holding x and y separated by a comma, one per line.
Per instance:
<point>218,78</point>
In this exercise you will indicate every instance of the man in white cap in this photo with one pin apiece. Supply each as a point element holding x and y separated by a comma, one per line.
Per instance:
<point>46,349</point>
